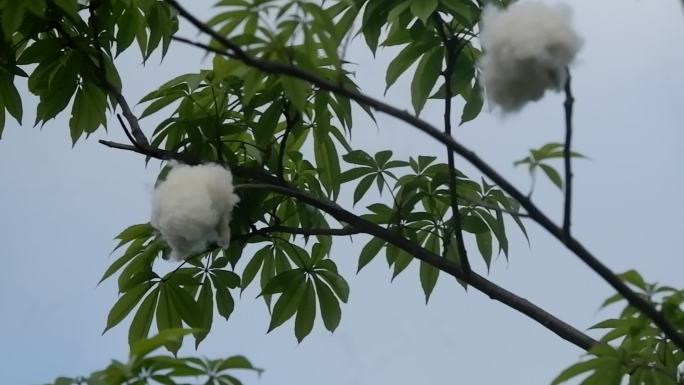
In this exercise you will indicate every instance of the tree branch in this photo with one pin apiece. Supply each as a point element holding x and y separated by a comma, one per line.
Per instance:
<point>480,283</point>
<point>450,56</point>
<point>568,106</point>
<point>360,225</point>
<point>307,232</point>
<point>535,213</point>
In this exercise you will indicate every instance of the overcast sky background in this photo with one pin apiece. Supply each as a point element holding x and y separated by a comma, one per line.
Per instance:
<point>60,208</point>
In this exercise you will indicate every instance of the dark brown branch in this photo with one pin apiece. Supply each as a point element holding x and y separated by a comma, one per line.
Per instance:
<point>567,155</point>
<point>450,57</point>
<point>136,131</point>
<point>487,287</point>
<point>128,133</point>
<point>571,243</point>
<point>307,232</point>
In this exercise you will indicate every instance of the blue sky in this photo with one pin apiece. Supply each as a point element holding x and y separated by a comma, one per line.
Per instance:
<point>60,208</point>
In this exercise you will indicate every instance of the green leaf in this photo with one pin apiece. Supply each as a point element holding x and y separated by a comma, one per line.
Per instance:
<point>401,261</point>
<point>136,279</point>
<point>407,56</point>
<point>140,326</point>
<point>143,230</point>
<point>281,282</point>
<point>224,302</point>
<point>474,103</point>
<point>474,224</point>
<point>236,362</point>
<point>306,313</point>
<point>359,157</point>
<point>497,226</point>
<point>88,111</point>
<point>428,278</point>
<point>552,174</point>
<point>163,338</point>
<point>336,282</point>
<point>68,6</point>
<point>160,103</point>
<point>369,251</point>
<point>57,95</point>
<point>330,307</point>
<point>633,277</point>
<point>355,173</point>
<point>612,299</point>
<point>268,271</point>
<point>327,161</point>
<point>9,97</point>
<point>12,16</point>
<point>41,50</point>
<point>427,72</point>
<point>132,251</point>
<point>125,304</point>
<point>484,244</point>
<point>576,370</point>
<point>453,255</point>
<point>362,187</point>
<point>382,157</point>
<point>225,278</point>
<point>268,122</point>
<point>288,302</point>
<point>423,9</point>
<point>64,381</point>
<point>220,263</point>
<point>374,18</point>
<point>206,307</point>
<point>184,304</point>
<point>253,266</point>
<point>296,91</point>
<point>168,318</point>
<point>128,25</point>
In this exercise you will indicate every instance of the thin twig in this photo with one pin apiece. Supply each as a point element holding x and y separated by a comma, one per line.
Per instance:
<point>567,154</point>
<point>290,124</point>
<point>542,219</point>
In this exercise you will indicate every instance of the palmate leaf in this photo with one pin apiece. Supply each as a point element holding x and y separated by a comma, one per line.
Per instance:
<point>125,304</point>
<point>406,57</point>
<point>427,72</point>
<point>423,9</point>
<point>288,302</point>
<point>9,98</point>
<point>329,305</point>
<point>300,289</point>
<point>142,321</point>
<point>474,103</point>
<point>429,274</point>
<point>306,312</point>
<point>167,317</point>
<point>336,282</point>
<point>205,302</point>
<point>369,251</point>
<point>88,111</point>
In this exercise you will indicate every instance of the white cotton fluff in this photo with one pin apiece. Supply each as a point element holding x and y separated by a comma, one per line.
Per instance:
<point>192,208</point>
<point>527,48</point>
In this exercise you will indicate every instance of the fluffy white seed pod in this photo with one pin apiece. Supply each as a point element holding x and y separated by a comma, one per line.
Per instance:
<point>192,208</point>
<point>527,48</point>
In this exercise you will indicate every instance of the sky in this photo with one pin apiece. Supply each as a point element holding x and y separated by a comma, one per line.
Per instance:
<point>60,208</point>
